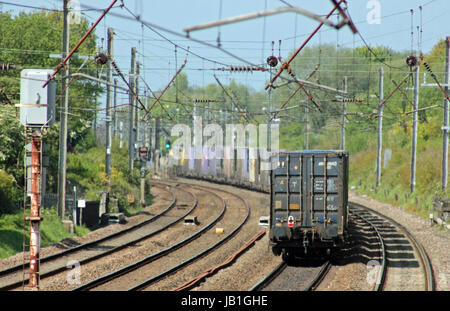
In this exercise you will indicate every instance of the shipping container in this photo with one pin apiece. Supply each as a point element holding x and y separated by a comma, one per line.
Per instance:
<point>308,201</point>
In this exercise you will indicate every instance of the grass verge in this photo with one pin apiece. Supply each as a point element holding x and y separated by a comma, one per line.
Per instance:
<point>52,231</point>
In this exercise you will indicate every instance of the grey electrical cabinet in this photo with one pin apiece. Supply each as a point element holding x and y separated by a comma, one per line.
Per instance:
<point>37,104</point>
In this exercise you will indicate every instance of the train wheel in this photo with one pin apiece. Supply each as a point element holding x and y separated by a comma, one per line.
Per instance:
<point>276,251</point>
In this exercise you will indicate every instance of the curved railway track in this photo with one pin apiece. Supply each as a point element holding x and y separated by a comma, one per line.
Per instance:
<point>400,258</point>
<point>381,271</point>
<point>143,273</point>
<point>397,248</point>
<point>209,272</point>
<point>400,249</point>
<point>387,231</point>
<point>12,278</point>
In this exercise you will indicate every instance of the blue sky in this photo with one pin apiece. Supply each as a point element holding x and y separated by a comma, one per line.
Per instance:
<point>250,40</point>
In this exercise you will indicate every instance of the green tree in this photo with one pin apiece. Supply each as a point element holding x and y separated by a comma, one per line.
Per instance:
<point>27,40</point>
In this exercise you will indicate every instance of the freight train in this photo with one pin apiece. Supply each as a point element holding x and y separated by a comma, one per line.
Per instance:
<point>308,194</point>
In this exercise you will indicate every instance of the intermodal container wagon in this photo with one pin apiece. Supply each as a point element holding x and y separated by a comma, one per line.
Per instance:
<point>308,202</point>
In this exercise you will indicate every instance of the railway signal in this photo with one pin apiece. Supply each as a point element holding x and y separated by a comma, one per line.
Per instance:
<point>37,111</point>
<point>168,144</point>
<point>143,152</point>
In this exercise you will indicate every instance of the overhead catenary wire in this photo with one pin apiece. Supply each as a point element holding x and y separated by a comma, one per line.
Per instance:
<point>152,27</point>
<point>231,97</point>
<point>323,71</point>
<point>285,65</point>
<point>370,49</point>
<point>63,62</point>
<point>162,93</point>
<point>126,82</point>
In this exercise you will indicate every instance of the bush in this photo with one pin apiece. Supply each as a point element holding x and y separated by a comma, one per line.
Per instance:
<point>148,194</point>
<point>87,170</point>
<point>9,193</point>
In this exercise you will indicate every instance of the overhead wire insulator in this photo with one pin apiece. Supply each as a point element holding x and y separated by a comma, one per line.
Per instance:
<point>436,79</point>
<point>429,69</point>
<point>272,61</point>
<point>6,67</point>
<point>349,100</point>
<point>203,101</point>
<point>290,72</point>
<point>279,50</point>
<point>354,100</point>
<point>242,68</point>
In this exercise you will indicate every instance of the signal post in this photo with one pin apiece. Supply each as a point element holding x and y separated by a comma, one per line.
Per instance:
<point>143,156</point>
<point>37,112</point>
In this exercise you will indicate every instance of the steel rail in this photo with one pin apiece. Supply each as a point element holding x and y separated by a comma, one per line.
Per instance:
<point>272,275</point>
<point>268,278</point>
<point>426,262</point>
<point>204,252</point>
<point>279,269</point>
<point>228,262</point>
<point>80,247</point>
<point>152,257</point>
<point>103,239</point>
<point>319,277</point>
<point>424,258</point>
<point>105,278</point>
<point>383,268</point>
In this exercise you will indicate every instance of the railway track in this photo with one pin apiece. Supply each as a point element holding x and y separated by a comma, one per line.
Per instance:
<point>395,253</point>
<point>143,274</point>
<point>402,254</point>
<point>12,278</point>
<point>209,272</point>
<point>304,276</point>
<point>397,256</point>
<point>379,262</point>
